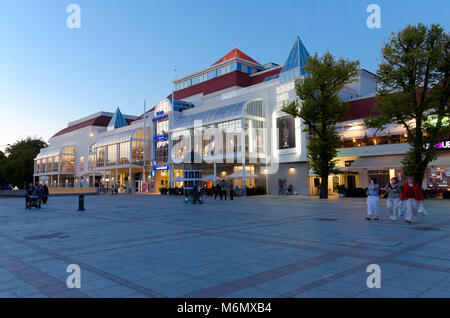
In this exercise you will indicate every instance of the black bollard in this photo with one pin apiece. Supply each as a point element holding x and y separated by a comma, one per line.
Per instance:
<point>81,203</point>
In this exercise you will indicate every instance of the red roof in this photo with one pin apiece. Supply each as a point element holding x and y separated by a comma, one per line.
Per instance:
<point>235,53</point>
<point>361,108</point>
<point>100,121</point>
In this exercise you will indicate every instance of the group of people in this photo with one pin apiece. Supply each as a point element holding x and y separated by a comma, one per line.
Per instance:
<point>407,197</point>
<point>223,188</point>
<point>41,191</point>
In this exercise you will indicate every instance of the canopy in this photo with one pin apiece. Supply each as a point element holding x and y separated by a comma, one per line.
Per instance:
<point>240,175</point>
<point>48,152</point>
<point>115,138</point>
<point>378,162</point>
<point>178,179</point>
<point>442,160</point>
<point>211,177</point>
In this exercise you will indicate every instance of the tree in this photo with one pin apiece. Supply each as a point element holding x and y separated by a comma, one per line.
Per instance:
<point>18,166</point>
<point>321,109</point>
<point>414,92</point>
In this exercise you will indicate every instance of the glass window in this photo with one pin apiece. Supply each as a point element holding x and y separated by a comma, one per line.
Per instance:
<point>212,74</point>
<point>100,156</point>
<point>81,163</point>
<point>55,163</point>
<point>111,158</point>
<point>124,153</point>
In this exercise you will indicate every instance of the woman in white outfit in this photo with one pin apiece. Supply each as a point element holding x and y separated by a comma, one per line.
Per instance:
<point>412,195</point>
<point>393,192</point>
<point>373,199</point>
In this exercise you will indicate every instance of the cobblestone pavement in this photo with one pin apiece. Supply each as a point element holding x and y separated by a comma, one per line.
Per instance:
<point>157,246</point>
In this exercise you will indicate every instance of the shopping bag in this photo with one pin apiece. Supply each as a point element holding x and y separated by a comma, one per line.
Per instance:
<point>422,209</point>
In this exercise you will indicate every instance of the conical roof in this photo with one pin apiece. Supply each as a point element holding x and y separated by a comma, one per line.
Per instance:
<point>117,120</point>
<point>295,63</point>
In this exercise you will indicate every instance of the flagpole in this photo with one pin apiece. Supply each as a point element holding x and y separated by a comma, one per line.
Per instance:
<point>144,136</point>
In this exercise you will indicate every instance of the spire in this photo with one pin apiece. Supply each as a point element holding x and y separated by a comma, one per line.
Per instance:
<point>295,63</point>
<point>117,120</point>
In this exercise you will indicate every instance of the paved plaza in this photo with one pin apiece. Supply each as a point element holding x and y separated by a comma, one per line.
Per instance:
<point>157,246</point>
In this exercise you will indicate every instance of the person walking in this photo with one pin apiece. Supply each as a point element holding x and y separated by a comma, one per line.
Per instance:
<point>40,193</point>
<point>196,194</point>
<point>46,193</point>
<point>411,195</point>
<point>218,191</point>
<point>393,192</point>
<point>373,200</point>
<point>231,189</point>
<point>224,190</point>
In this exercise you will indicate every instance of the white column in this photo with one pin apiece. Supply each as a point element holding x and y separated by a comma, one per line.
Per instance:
<point>243,156</point>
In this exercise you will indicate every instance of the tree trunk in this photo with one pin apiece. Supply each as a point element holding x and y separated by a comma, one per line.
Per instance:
<point>324,187</point>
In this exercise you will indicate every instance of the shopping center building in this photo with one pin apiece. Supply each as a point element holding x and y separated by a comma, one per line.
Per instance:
<point>225,121</point>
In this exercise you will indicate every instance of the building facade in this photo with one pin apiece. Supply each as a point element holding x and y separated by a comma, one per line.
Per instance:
<point>227,121</point>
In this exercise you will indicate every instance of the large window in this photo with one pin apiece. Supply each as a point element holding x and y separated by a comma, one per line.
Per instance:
<point>55,164</point>
<point>100,157</point>
<point>124,153</point>
<point>111,155</point>
<point>81,163</point>
<point>68,159</point>
<point>230,131</point>
<point>137,145</point>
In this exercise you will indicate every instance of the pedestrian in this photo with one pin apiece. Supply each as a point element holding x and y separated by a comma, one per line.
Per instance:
<point>373,199</point>
<point>30,190</point>
<point>411,195</point>
<point>196,194</point>
<point>224,190</point>
<point>40,193</point>
<point>231,189</point>
<point>46,193</point>
<point>218,191</point>
<point>393,192</point>
<point>237,190</point>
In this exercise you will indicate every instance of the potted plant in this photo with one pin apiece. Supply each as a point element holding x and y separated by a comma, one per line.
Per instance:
<point>341,190</point>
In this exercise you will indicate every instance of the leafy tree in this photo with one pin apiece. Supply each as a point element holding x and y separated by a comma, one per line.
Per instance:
<point>321,109</point>
<point>414,91</point>
<point>18,166</point>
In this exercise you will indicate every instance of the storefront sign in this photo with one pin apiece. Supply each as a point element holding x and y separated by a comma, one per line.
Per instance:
<point>442,145</point>
<point>159,118</point>
<point>158,168</point>
<point>161,137</point>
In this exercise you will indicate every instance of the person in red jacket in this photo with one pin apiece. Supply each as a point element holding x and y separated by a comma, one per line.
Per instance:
<point>411,195</point>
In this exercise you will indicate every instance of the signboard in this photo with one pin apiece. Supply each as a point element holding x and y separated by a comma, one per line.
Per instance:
<point>286,132</point>
<point>158,168</point>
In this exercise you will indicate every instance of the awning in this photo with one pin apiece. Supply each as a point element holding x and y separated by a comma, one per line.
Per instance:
<point>210,178</point>
<point>115,138</point>
<point>378,162</point>
<point>240,175</point>
<point>178,179</point>
<point>48,152</point>
<point>442,160</point>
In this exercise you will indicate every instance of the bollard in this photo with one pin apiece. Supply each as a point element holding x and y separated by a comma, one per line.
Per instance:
<point>81,203</point>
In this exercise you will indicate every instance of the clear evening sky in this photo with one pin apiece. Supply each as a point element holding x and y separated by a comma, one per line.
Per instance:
<point>126,51</point>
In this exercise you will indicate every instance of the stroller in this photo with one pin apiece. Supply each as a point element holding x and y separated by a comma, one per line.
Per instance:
<point>32,201</point>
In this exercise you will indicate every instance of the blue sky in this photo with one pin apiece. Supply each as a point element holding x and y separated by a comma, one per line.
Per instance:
<point>126,51</point>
